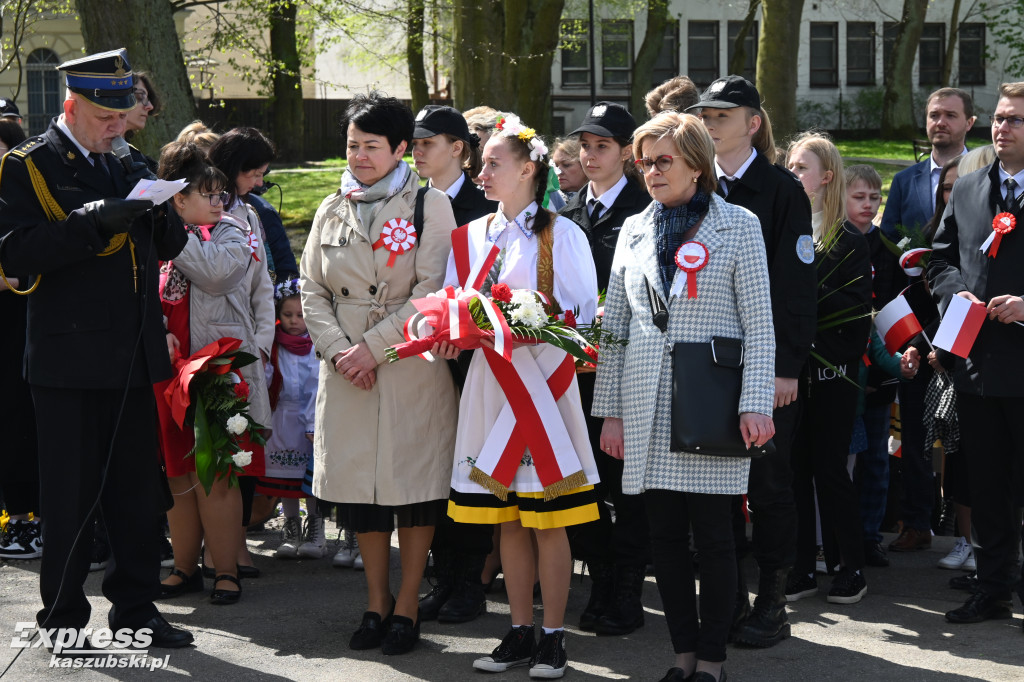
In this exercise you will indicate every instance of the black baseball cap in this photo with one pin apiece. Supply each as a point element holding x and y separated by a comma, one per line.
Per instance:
<point>105,79</point>
<point>8,109</point>
<point>728,93</point>
<point>435,119</point>
<point>607,119</point>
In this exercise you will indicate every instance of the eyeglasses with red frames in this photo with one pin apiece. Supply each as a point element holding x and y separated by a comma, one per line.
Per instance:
<point>662,163</point>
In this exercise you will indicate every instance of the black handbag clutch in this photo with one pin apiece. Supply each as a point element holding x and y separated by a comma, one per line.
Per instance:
<point>707,379</point>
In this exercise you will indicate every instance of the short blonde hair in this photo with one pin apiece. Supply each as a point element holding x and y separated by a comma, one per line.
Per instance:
<point>692,142</point>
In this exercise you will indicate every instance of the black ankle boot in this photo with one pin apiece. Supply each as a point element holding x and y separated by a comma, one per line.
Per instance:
<point>741,611</point>
<point>467,599</point>
<point>443,584</point>
<point>768,623</point>
<point>627,612</point>
<point>602,576</point>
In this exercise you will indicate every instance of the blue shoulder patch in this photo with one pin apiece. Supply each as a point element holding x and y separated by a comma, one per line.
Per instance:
<point>805,249</point>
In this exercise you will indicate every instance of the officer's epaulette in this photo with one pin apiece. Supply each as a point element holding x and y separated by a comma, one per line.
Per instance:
<point>28,146</point>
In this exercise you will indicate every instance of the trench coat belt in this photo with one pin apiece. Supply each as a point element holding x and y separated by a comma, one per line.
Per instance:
<point>377,304</point>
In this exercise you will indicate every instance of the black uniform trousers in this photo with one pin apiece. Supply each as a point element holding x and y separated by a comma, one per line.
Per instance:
<point>626,541</point>
<point>918,498</point>
<point>770,497</point>
<point>820,455</point>
<point>76,427</point>
<point>989,428</point>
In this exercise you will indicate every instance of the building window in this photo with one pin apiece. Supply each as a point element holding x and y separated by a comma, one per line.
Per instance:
<point>667,65</point>
<point>575,49</point>
<point>616,53</point>
<point>860,53</point>
<point>702,52</point>
<point>972,54</point>
<point>932,54</point>
<point>749,48</point>
<point>44,96</point>
<point>824,54</point>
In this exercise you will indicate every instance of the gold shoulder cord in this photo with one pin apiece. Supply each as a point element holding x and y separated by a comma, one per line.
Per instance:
<point>55,213</point>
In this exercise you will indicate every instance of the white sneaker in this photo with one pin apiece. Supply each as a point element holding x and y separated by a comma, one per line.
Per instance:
<point>348,551</point>
<point>959,556</point>
<point>291,534</point>
<point>316,541</point>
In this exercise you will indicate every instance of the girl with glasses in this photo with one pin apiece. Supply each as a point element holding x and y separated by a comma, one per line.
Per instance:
<point>207,292</point>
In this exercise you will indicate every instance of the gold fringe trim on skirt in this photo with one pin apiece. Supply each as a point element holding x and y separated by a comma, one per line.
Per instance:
<point>567,484</point>
<point>481,479</point>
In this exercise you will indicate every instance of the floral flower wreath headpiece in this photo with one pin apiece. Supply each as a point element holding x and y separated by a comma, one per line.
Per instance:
<point>512,126</point>
<point>289,287</point>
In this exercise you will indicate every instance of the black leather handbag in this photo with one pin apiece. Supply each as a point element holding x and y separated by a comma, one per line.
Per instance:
<point>707,379</point>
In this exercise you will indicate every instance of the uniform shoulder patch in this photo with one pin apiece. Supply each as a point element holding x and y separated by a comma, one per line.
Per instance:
<point>28,146</point>
<point>805,249</point>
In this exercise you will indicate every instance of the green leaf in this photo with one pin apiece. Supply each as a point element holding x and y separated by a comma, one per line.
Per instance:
<point>205,454</point>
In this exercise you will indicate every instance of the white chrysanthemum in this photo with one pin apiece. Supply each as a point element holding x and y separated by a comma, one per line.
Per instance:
<point>529,312</point>
<point>237,424</point>
<point>243,458</point>
<point>523,297</point>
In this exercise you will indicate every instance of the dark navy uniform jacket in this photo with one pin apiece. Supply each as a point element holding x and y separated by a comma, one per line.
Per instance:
<point>95,297</point>
<point>470,203</point>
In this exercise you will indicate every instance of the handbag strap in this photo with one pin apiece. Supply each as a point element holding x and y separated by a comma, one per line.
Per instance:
<point>659,313</point>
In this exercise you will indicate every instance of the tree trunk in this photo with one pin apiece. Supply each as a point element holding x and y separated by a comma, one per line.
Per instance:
<point>479,28</point>
<point>287,111</point>
<point>531,38</point>
<point>739,50</point>
<point>777,64</point>
<point>898,120</point>
<point>954,34</point>
<point>146,29</point>
<point>654,38</point>
<point>414,55</point>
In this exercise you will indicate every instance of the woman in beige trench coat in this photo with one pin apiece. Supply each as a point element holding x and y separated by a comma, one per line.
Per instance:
<point>384,433</point>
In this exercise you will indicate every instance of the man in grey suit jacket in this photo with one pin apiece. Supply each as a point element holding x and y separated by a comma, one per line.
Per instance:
<point>990,382</point>
<point>911,200</point>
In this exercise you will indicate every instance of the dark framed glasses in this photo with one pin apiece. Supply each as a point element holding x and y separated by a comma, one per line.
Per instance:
<point>217,198</point>
<point>141,97</point>
<point>1012,121</point>
<point>662,163</point>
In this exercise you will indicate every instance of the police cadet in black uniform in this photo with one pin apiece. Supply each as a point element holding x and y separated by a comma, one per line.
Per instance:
<point>731,111</point>
<point>616,554</point>
<point>95,345</point>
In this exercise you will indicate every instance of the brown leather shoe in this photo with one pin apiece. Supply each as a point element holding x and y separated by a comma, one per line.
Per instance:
<point>911,540</point>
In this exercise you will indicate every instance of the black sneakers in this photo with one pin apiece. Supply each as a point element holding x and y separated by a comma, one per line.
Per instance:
<point>800,585</point>
<point>517,648</point>
<point>848,587</point>
<point>21,540</point>
<point>550,660</point>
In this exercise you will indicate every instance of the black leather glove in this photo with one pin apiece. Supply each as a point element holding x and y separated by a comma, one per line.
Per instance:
<point>139,171</point>
<point>113,216</point>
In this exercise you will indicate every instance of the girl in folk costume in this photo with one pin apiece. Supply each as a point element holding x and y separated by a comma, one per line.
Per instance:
<point>292,377</point>
<point>533,492</point>
<point>208,292</point>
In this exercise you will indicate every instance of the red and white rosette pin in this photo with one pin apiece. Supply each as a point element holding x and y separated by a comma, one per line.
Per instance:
<point>254,245</point>
<point>691,257</point>
<point>1002,224</point>
<point>397,236</point>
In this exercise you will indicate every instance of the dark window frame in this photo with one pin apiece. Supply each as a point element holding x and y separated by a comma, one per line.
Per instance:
<point>819,76</point>
<point>44,87</point>
<point>750,69</point>
<point>980,67</point>
<point>714,71</point>
<point>932,75</point>
<point>855,43</point>
<point>582,37</point>
<point>607,37</point>
<point>670,44</point>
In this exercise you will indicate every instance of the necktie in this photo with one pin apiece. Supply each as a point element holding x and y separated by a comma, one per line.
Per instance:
<point>1011,194</point>
<point>728,185</point>
<point>595,208</point>
<point>100,161</point>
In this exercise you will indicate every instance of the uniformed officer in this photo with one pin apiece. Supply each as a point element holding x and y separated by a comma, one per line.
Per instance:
<point>95,345</point>
<point>731,111</point>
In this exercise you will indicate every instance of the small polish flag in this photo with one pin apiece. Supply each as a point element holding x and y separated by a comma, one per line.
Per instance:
<point>897,324</point>
<point>960,326</point>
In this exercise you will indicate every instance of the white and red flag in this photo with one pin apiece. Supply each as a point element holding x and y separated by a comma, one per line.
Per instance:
<point>960,326</point>
<point>897,324</point>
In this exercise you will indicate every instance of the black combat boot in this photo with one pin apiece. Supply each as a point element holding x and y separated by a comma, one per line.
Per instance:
<point>603,577</point>
<point>626,613</point>
<point>467,600</point>
<point>443,584</point>
<point>768,623</point>
<point>741,611</point>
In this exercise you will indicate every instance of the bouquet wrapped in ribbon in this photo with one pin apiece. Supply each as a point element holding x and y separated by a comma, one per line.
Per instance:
<point>210,395</point>
<point>463,317</point>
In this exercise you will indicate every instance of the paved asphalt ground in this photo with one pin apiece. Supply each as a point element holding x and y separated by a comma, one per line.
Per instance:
<point>294,622</point>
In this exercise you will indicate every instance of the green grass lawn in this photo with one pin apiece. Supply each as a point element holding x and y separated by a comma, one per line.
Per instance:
<point>303,189</point>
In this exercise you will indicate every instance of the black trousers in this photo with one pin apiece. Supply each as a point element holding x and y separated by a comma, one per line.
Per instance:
<point>626,541</point>
<point>918,496</point>
<point>770,497</point>
<point>76,428</point>
<point>471,539</point>
<point>989,428</point>
<point>820,456</point>
<point>19,455</point>
<point>671,514</point>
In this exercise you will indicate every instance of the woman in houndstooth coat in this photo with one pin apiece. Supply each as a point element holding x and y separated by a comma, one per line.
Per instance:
<point>634,386</point>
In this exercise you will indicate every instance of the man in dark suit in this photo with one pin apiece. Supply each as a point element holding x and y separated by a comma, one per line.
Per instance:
<point>731,111</point>
<point>911,200</point>
<point>95,345</point>
<point>990,382</point>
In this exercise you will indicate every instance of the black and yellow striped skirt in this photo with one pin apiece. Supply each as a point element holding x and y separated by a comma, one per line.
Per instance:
<point>577,506</point>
